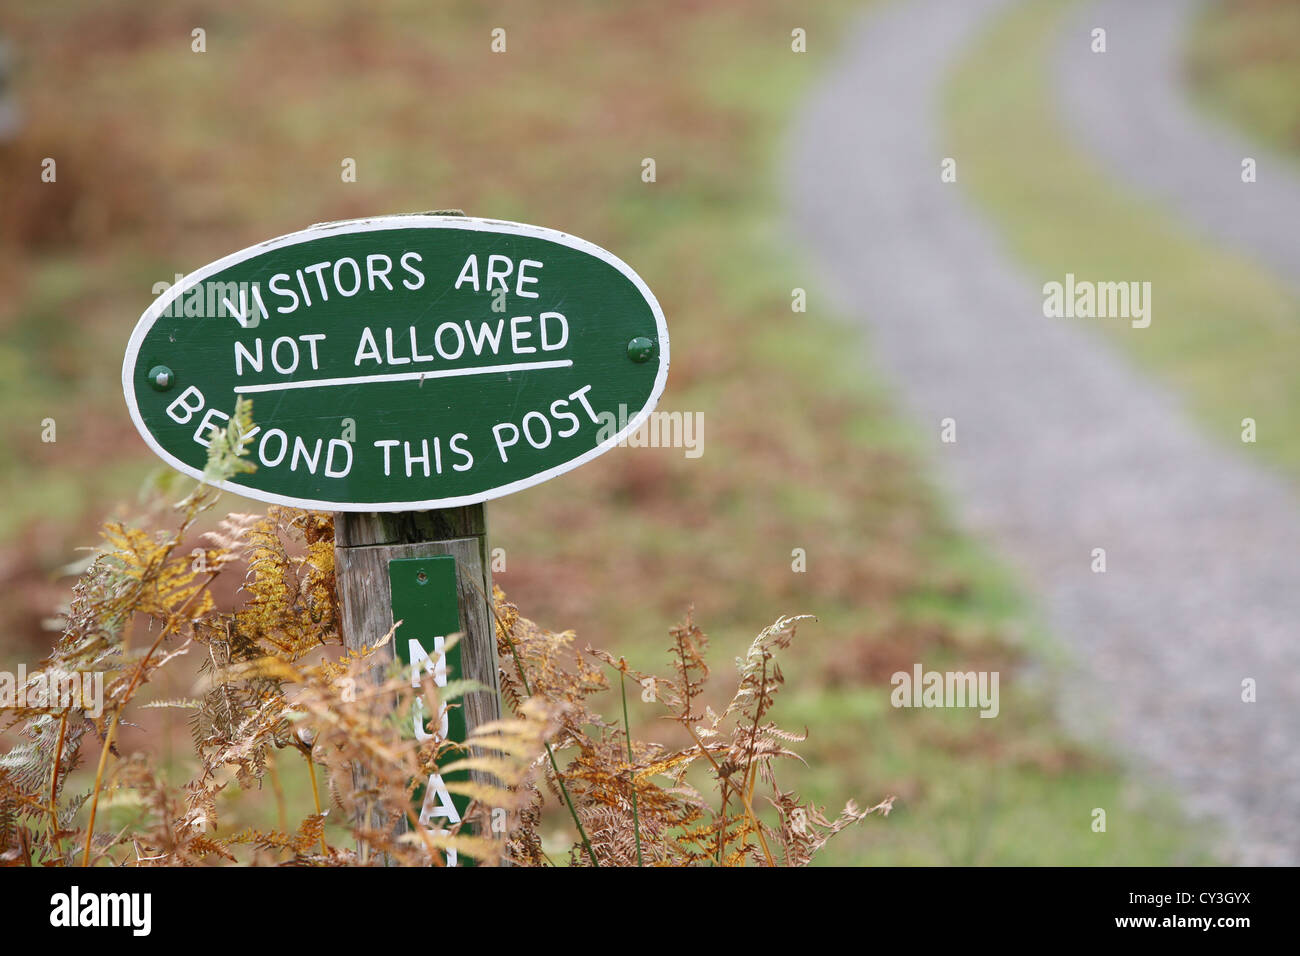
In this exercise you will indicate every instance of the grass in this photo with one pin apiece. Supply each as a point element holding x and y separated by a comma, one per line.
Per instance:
<point>1224,332</point>
<point>1243,59</point>
<point>801,449</point>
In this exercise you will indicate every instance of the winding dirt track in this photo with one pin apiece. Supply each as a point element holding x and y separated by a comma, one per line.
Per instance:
<point>1130,108</point>
<point>1063,446</point>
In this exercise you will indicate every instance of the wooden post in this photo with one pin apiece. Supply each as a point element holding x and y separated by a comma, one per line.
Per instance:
<point>366,542</point>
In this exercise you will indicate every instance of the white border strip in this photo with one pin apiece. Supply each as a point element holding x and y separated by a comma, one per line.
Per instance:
<point>400,376</point>
<point>381,224</point>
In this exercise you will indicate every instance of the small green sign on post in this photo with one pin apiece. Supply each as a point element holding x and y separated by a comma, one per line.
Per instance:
<point>425,601</point>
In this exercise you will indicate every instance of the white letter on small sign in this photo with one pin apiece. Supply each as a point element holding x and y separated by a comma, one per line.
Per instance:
<point>437,799</point>
<point>420,657</point>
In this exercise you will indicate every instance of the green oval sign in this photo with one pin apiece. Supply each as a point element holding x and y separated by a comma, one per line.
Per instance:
<point>401,363</point>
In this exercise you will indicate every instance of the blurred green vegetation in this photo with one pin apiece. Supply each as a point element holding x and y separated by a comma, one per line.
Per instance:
<point>1243,60</point>
<point>178,158</point>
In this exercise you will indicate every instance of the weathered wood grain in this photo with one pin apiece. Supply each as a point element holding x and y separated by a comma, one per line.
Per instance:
<point>356,529</point>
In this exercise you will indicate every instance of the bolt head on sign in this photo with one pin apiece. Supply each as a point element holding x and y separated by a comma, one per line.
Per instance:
<point>401,363</point>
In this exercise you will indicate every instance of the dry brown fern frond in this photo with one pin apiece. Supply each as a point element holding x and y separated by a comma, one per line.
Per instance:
<point>804,828</point>
<point>271,688</point>
<point>293,603</point>
<point>545,664</point>
<point>135,573</point>
<point>630,801</point>
<point>689,666</point>
<point>166,833</point>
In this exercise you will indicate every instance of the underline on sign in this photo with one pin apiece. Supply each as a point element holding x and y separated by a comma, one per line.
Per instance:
<point>403,376</point>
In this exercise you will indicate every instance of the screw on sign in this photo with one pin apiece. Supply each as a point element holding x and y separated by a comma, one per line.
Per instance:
<point>403,371</point>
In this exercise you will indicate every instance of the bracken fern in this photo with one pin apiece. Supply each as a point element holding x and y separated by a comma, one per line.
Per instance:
<point>275,679</point>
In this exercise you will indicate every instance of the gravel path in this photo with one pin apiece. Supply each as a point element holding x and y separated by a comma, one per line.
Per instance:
<point>1062,446</point>
<point>1130,108</point>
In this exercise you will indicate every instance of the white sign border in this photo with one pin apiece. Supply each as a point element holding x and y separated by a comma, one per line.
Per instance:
<point>379,224</point>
